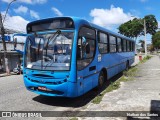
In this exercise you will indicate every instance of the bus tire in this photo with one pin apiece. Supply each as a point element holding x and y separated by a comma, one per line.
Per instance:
<point>127,66</point>
<point>101,80</point>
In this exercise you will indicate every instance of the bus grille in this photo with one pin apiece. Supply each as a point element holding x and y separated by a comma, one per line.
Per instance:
<point>47,82</point>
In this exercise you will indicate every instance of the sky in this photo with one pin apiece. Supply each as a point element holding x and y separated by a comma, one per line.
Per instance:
<point>106,13</point>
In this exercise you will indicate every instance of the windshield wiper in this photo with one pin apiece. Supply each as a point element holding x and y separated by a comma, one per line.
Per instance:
<point>39,46</point>
<point>55,35</point>
<point>46,47</point>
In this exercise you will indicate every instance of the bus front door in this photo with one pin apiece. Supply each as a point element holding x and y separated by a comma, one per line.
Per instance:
<point>86,65</point>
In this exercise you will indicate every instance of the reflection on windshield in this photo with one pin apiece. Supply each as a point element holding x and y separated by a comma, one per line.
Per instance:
<point>49,51</point>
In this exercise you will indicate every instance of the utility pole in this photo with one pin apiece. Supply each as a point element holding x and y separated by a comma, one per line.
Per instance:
<point>3,40</point>
<point>145,41</point>
<point>4,45</point>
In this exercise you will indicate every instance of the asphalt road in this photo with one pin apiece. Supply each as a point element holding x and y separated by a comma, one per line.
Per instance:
<point>15,97</point>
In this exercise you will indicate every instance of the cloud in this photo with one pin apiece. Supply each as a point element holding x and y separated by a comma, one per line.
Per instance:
<point>34,14</point>
<point>56,11</point>
<point>21,9</point>
<point>149,8</point>
<point>7,1</point>
<point>109,17</point>
<point>158,24</point>
<point>40,1</point>
<point>135,12</point>
<point>15,23</point>
<point>25,1</point>
<point>28,1</point>
<point>143,1</point>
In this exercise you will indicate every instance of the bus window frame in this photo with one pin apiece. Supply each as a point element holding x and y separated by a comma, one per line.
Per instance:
<point>112,44</point>
<point>128,45</point>
<point>86,26</point>
<point>133,45</point>
<point>98,41</point>
<point>124,41</point>
<point>50,32</point>
<point>120,44</point>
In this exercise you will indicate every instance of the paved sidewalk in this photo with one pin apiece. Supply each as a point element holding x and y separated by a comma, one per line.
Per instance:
<point>136,60</point>
<point>141,94</point>
<point>5,74</point>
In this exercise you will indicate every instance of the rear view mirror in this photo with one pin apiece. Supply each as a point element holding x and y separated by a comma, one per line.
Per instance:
<point>18,40</point>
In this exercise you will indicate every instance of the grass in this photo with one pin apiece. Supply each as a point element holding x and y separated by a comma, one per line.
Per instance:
<point>74,118</point>
<point>145,59</point>
<point>127,76</point>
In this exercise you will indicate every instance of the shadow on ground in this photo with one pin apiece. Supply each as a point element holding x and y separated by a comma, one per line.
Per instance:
<point>74,102</point>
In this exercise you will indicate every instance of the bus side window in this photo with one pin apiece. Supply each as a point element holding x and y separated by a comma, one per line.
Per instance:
<point>78,52</point>
<point>85,47</point>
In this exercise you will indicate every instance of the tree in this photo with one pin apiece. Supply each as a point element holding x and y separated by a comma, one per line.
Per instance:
<point>142,42</point>
<point>156,40</point>
<point>151,48</point>
<point>135,27</point>
<point>151,24</point>
<point>131,29</point>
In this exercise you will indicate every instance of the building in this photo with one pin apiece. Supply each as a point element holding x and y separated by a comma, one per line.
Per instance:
<point>12,55</point>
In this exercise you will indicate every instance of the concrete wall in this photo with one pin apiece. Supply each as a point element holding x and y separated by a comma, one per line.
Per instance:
<point>13,56</point>
<point>10,46</point>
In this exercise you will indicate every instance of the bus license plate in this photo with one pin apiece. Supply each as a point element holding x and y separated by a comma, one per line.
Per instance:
<point>42,88</point>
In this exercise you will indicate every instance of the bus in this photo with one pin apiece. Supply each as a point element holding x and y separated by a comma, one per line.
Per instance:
<point>69,56</point>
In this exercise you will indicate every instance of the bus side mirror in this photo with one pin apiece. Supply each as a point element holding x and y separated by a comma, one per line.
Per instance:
<point>16,38</point>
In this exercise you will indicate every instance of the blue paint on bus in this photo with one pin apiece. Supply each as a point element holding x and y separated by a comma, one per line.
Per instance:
<point>70,74</point>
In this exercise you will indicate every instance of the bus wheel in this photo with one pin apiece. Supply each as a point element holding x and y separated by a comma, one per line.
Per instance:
<point>127,66</point>
<point>100,80</point>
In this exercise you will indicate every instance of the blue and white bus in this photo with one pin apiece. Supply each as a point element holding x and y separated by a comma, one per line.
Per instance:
<point>68,56</point>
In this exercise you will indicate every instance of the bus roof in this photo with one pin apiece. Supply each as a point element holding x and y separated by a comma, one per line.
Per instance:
<point>79,22</point>
<point>83,21</point>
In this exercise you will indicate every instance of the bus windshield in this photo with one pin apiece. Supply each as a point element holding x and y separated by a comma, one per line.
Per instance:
<point>49,51</point>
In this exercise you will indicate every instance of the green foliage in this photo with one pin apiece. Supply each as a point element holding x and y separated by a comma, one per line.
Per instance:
<point>156,40</point>
<point>127,75</point>
<point>135,28</point>
<point>142,42</point>
<point>131,28</point>
<point>145,59</point>
<point>74,118</point>
<point>151,48</point>
<point>151,24</point>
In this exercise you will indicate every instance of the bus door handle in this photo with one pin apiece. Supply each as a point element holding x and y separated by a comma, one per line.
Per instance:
<point>92,68</point>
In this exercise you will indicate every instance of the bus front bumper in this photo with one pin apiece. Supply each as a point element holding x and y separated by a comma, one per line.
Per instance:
<point>65,89</point>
